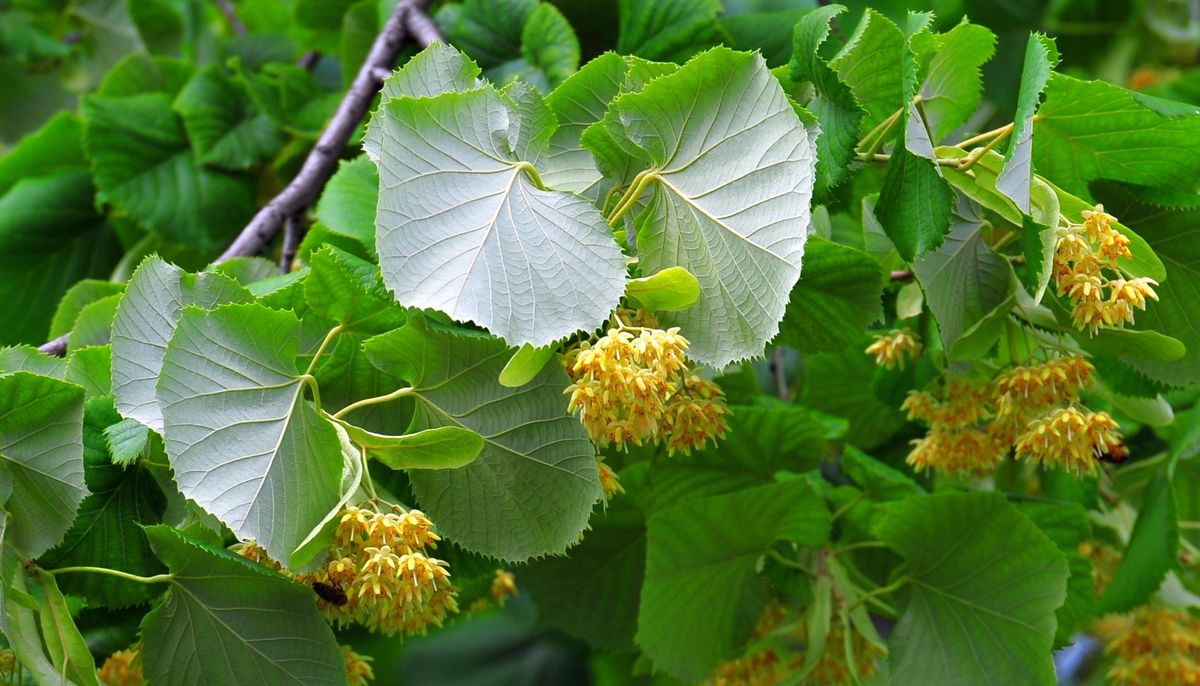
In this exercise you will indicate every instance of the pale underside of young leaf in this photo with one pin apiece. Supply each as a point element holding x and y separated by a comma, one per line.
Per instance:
<point>731,170</point>
<point>244,442</point>
<point>464,228</point>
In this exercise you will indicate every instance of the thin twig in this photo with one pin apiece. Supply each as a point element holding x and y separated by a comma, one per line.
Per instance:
<point>308,61</point>
<point>901,275</point>
<point>293,233</point>
<point>322,160</point>
<point>235,22</point>
<point>56,347</point>
<point>781,384</point>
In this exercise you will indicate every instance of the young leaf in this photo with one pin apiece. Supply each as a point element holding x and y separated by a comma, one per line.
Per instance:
<point>532,488</point>
<point>1151,552</point>
<point>437,69</point>
<point>126,441</point>
<point>323,535</point>
<point>146,320</point>
<point>1041,56</point>
<point>670,290</point>
<point>729,189</point>
<point>915,204</point>
<point>262,459</point>
<point>349,291</point>
<point>64,644</point>
<point>872,65</point>
<point>834,105</point>
<point>347,205</point>
<point>82,294</point>
<point>488,30</point>
<point>443,447</point>
<point>465,227</point>
<point>268,627</point>
<point>577,103</point>
<point>839,294</point>
<point>981,602</point>
<point>702,593</point>
<point>668,31</point>
<point>41,458</point>
<point>524,365</point>
<point>224,128</point>
<point>91,369</point>
<point>951,91</point>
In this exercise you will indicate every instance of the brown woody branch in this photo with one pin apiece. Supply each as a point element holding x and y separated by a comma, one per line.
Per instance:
<point>408,20</point>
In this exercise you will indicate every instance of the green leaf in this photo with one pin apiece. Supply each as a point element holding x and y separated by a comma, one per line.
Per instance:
<point>345,376</point>
<point>224,128</point>
<point>91,369</point>
<point>702,593</point>
<point>20,621</point>
<point>26,358</point>
<point>841,386</point>
<point>437,69</point>
<point>50,237</point>
<point>534,265</point>
<point>290,96</point>
<point>668,31</point>
<point>126,441</point>
<point>549,51</point>
<point>731,208</point>
<point>915,203</point>
<point>64,644</point>
<point>77,297</point>
<point>951,91</point>
<point>316,544</point>
<point>349,291</point>
<point>55,147</point>
<point>980,604</point>
<point>525,365</point>
<point>839,294</point>
<point>443,447</point>
<point>611,560</point>
<point>267,627</point>
<point>146,321</point>
<point>670,290</point>
<point>577,103</point>
<point>1151,553</point>
<point>761,442</point>
<point>487,30</point>
<point>968,287</point>
<point>1089,130</point>
<point>1067,525</point>
<point>94,324</point>
<point>108,527</point>
<point>876,478</point>
<point>767,31</point>
<point>531,490</point>
<point>141,74</point>
<point>872,65</point>
<point>41,458</point>
<point>143,164</point>
<point>833,104</point>
<point>347,205</point>
<point>244,442</point>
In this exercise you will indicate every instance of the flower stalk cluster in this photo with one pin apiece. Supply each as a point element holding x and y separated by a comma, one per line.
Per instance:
<point>1086,272</point>
<point>1152,646</point>
<point>895,347</point>
<point>635,384</point>
<point>1033,410</point>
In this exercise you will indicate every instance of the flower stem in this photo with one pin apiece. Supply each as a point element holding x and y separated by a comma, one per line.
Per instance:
<point>312,364</point>
<point>861,545</point>
<point>630,198</point>
<point>398,393</point>
<point>156,579</point>
<point>878,134</point>
<point>975,155</point>
<point>882,590</point>
<point>1002,131</point>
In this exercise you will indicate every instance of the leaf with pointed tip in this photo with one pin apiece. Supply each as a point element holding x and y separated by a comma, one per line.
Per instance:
<point>871,64</point>
<point>668,31</point>
<point>223,126</point>
<point>525,365</point>
<point>347,205</point>
<point>126,441</point>
<point>532,487</point>
<point>244,442</point>
<point>41,458</point>
<point>980,604</point>
<point>729,188</point>
<point>77,297</point>
<point>951,91</point>
<point>145,322</point>
<point>91,369</point>
<point>227,620</point>
<point>437,69</point>
<point>702,593</point>
<point>914,204</point>
<point>839,294</point>
<point>1017,174</point>
<point>670,290</point>
<point>463,226</point>
<point>577,103</point>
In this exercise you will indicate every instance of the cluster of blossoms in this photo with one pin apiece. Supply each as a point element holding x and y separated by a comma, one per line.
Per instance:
<point>1032,409</point>
<point>1085,270</point>
<point>123,668</point>
<point>1105,559</point>
<point>358,668</point>
<point>504,586</point>
<point>1152,646</point>
<point>610,483</point>
<point>771,666</point>
<point>895,348</point>
<point>379,574</point>
<point>635,384</point>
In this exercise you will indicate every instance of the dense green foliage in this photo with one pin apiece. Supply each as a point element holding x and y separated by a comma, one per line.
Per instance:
<point>234,467</point>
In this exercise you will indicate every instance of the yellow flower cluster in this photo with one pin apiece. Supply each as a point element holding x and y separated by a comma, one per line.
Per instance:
<point>1153,646</point>
<point>504,586</point>
<point>358,668</point>
<point>379,574</point>
<point>1105,559</point>
<point>895,348</point>
<point>123,668</point>
<point>1032,409</point>
<point>1069,438</point>
<point>759,669</point>
<point>631,388</point>
<point>610,483</point>
<point>1084,257</point>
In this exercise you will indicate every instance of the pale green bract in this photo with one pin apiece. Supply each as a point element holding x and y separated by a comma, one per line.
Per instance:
<point>244,442</point>
<point>730,172</point>
<point>465,226</point>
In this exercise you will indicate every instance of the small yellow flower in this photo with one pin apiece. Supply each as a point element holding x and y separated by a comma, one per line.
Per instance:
<point>504,586</point>
<point>610,483</point>
<point>358,668</point>
<point>1085,255</point>
<point>1070,439</point>
<point>895,348</point>
<point>1153,646</point>
<point>123,668</point>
